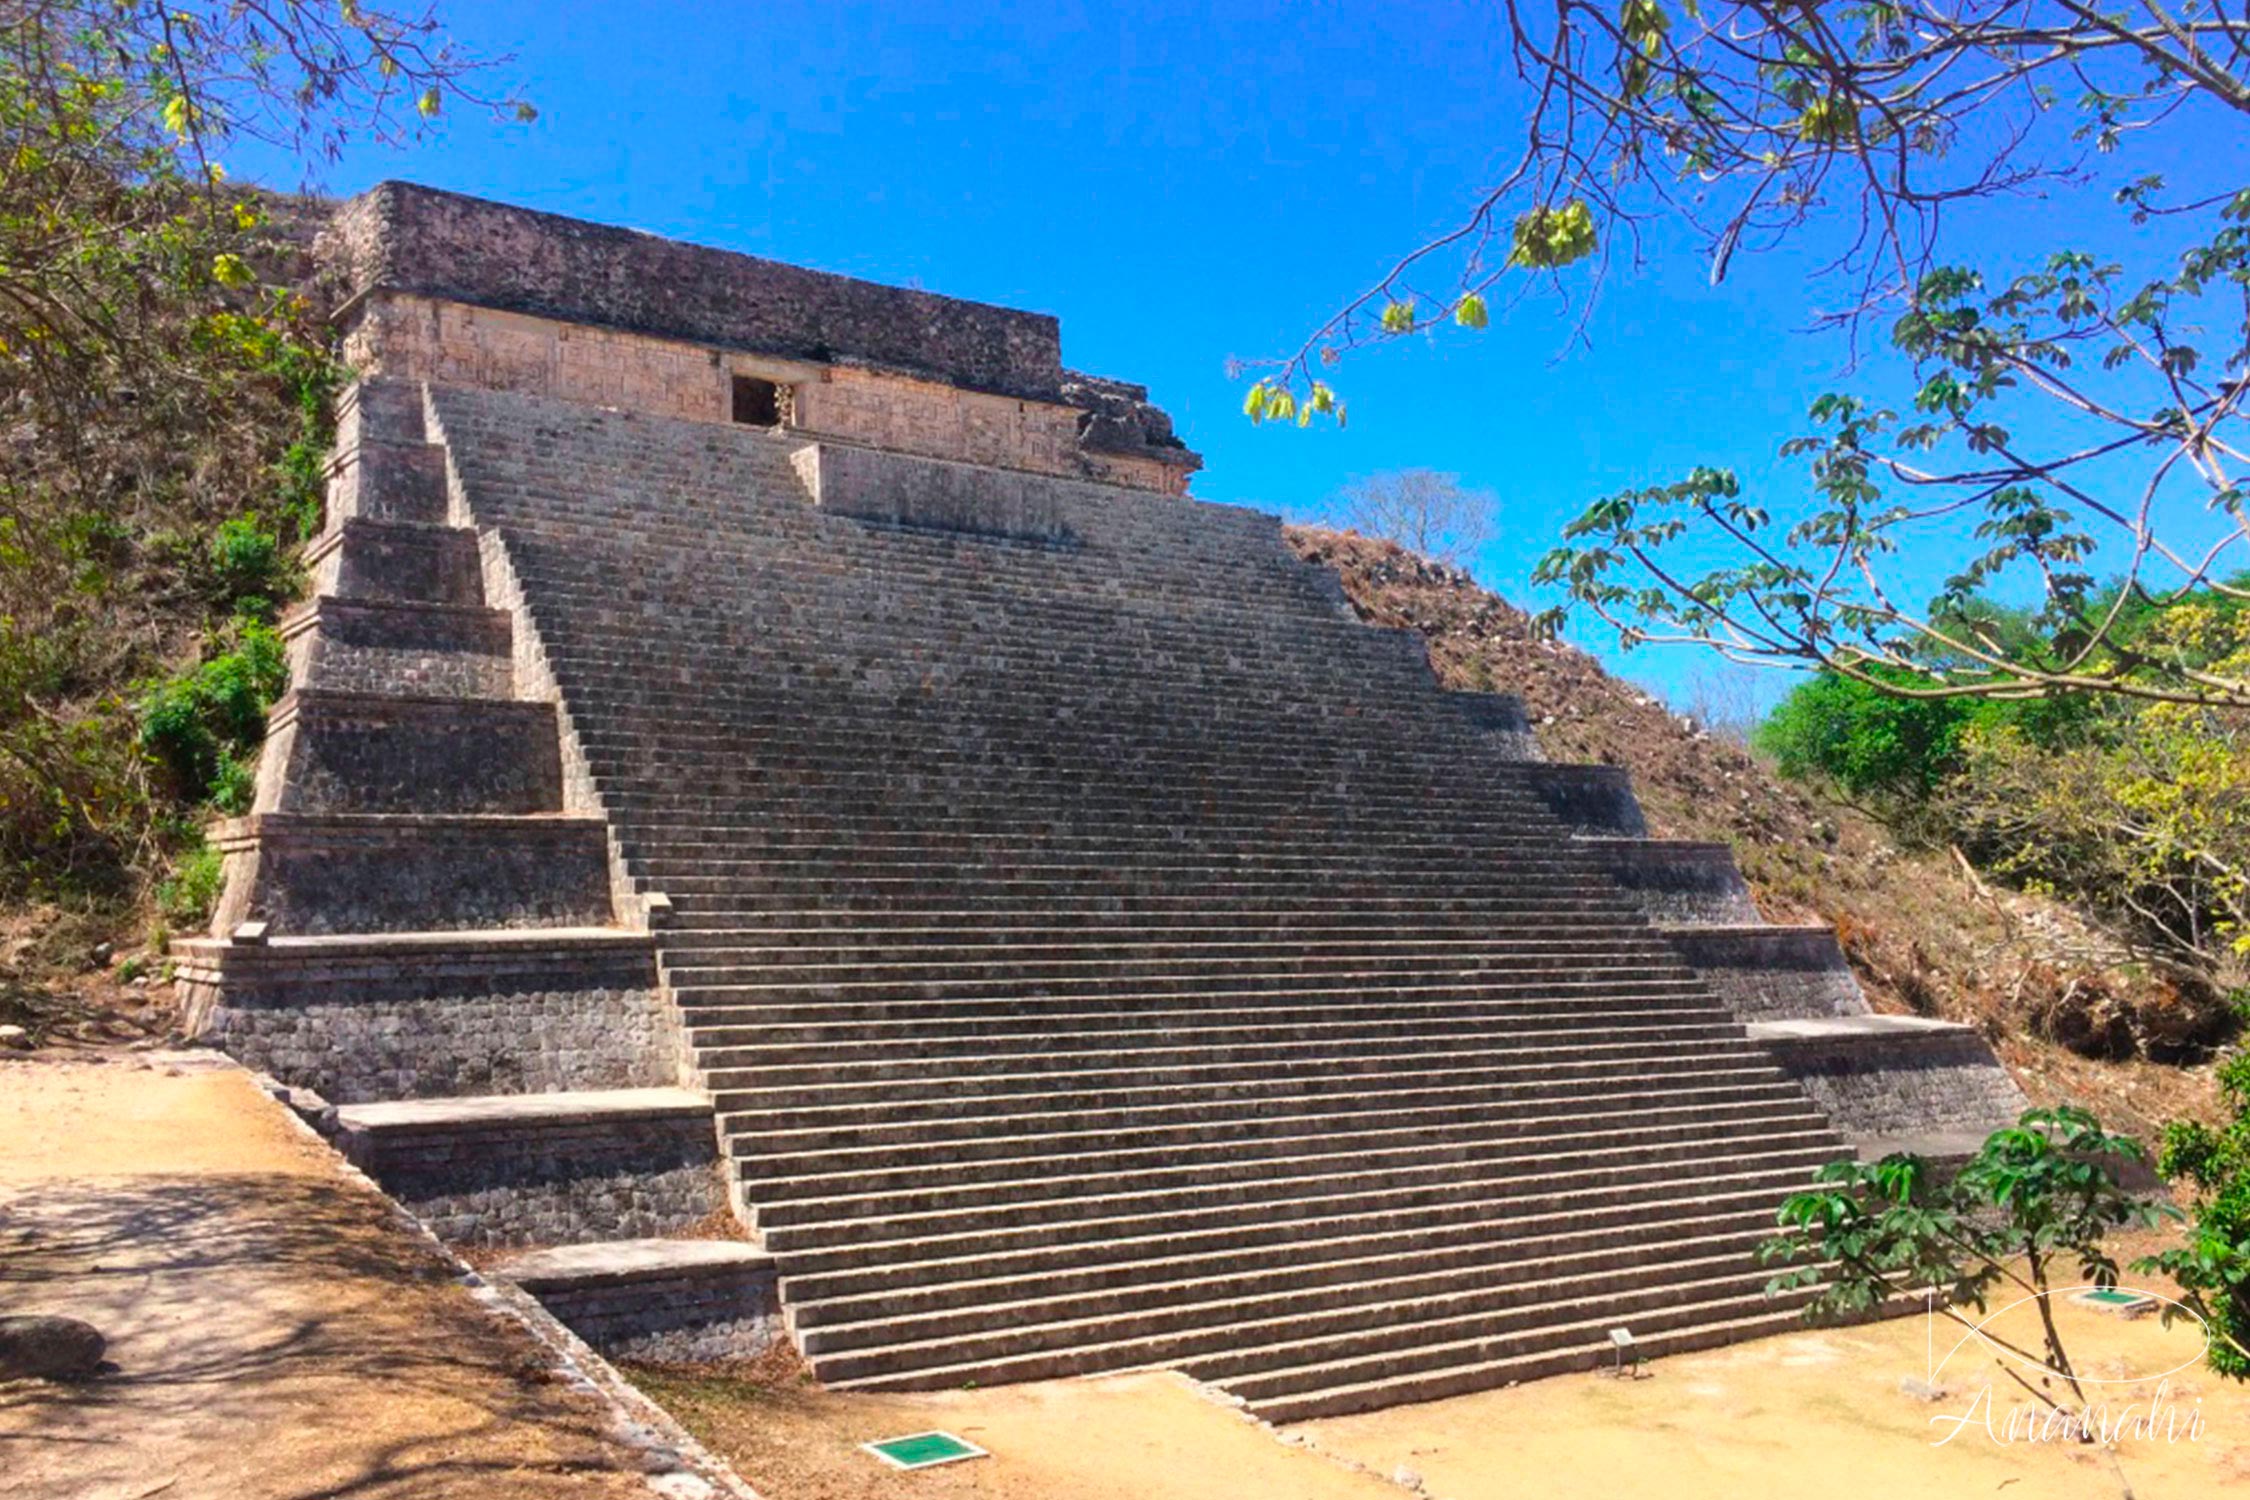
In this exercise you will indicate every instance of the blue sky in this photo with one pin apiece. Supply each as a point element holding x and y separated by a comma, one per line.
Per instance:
<point>1178,187</point>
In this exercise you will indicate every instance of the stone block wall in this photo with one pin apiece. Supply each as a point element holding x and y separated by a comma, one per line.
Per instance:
<point>1590,799</point>
<point>340,752</point>
<point>404,337</point>
<point>391,1025</point>
<point>899,490</point>
<point>1769,973</point>
<point>304,875</point>
<point>549,1184</point>
<point>1900,1086</point>
<point>436,651</point>
<point>432,565</point>
<point>1679,881</point>
<point>691,1319</point>
<point>1502,719</point>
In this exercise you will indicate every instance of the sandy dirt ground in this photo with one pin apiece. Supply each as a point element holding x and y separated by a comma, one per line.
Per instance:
<point>1813,1414</point>
<point>276,1335</point>
<point>1149,1436</point>
<point>1822,1413</point>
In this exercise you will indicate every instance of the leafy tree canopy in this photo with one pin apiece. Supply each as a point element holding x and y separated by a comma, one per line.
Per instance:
<point>2056,418</point>
<point>163,393</point>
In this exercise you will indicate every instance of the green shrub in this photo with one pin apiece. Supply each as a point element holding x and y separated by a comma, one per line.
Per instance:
<point>188,894</point>
<point>234,785</point>
<point>249,567</point>
<point>2212,1163</point>
<point>1869,742</point>
<point>196,724</point>
<point>1897,752</point>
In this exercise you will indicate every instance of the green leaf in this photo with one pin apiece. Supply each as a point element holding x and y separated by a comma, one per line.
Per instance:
<point>1470,312</point>
<point>1549,238</point>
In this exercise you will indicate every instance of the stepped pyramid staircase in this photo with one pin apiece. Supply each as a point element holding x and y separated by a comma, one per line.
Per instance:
<point>421,929</point>
<point>1081,941</point>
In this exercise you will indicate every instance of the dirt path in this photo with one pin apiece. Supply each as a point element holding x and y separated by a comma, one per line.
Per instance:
<point>277,1336</point>
<point>1820,1413</point>
<point>1146,1436</point>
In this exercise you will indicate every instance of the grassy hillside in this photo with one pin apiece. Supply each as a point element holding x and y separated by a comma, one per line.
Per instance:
<point>158,478</point>
<point>2066,1005</point>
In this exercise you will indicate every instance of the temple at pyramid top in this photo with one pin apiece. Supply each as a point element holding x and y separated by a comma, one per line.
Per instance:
<point>461,291</point>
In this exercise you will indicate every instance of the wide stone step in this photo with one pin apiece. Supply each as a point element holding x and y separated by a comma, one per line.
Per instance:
<point>1221,930</point>
<point>816,961</point>
<point>1437,1336</point>
<point>747,1092</point>
<point>856,907</point>
<point>831,1203</point>
<point>1064,1216</point>
<point>1099,1066</point>
<point>1346,1038</point>
<point>1152,585</point>
<point>868,1296</point>
<point>1016,632</point>
<point>776,1178</point>
<point>1339,882</point>
<point>808,729</point>
<point>689,929</point>
<point>744,761</point>
<point>1203,985</point>
<point>1194,1011</point>
<point>1360,1320</point>
<point>1340,807</point>
<point>754,837</point>
<point>1530,857</point>
<point>1580,1345</point>
<point>1378,1336</point>
<point>1550,1207</point>
<point>1157,585</point>
<point>1213,815</point>
<point>1436,1109</point>
<point>1208,1015</point>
